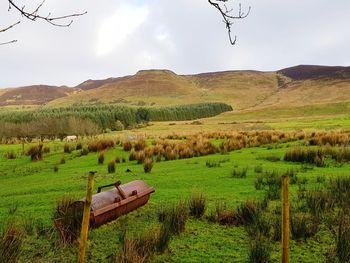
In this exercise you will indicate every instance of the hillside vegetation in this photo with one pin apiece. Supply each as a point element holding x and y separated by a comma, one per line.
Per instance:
<point>295,86</point>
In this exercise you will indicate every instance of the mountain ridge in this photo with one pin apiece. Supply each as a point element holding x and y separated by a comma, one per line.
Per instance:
<point>240,88</point>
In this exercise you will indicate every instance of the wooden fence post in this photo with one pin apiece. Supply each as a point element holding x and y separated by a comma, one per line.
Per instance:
<point>86,217</point>
<point>285,219</point>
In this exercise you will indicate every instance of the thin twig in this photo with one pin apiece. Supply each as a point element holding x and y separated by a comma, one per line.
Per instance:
<point>227,17</point>
<point>9,27</point>
<point>34,15</point>
<point>8,42</point>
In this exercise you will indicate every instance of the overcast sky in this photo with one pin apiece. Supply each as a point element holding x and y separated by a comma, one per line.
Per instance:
<point>120,37</point>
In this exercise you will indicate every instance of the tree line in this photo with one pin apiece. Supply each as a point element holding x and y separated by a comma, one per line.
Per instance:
<point>89,120</point>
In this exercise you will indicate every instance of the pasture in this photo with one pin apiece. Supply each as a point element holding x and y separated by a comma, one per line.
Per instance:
<point>30,190</point>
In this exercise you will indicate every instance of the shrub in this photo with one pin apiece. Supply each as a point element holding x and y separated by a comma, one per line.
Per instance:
<point>164,237</point>
<point>239,173</point>
<point>224,216</point>
<point>141,247</point>
<point>318,201</point>
<point>197,205</point>
<point>186,152</point>
<point>129,253</point>
<point>127,146</point>
<point>170,154</point>
<point>100,145</point>
<point>132,156</point>
<point>229,217</point>
<point>140,156</point>
<point>259,250</point>
<point>163,212</point>
<point>260,226</point>
<point>11,155</point>
<point>11,239</point>
<point>35,152</point>
<point>140,145</point>
<point>67,219</point>
<point>148,165</point>
<point>101,158</point>
<point>339,190</point>
<point>302,226</point>
<point>111,167</point>
<point>67,148</point>
<point>305,155</point>
<point>176,217</point>
<point>248,212</point>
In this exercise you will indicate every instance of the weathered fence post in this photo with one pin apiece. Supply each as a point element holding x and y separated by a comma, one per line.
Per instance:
<point>86,217</point>
<point>285,219</point>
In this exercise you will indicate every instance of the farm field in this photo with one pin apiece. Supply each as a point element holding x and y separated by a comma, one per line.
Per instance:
<point>30,191</point>
<point>333,116</point>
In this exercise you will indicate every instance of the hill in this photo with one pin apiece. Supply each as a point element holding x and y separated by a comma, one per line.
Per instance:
<point>304,72</point>
<point>33,95</point>
<point>244,90</point>
<point>164,87</point>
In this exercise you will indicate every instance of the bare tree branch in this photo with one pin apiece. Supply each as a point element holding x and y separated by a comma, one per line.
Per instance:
<point>227,16</point>
<point>9,27</point>
<point>8,42</point>
<point>34,15</point>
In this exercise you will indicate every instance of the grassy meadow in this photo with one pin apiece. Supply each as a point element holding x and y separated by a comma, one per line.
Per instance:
<point>30,190</point>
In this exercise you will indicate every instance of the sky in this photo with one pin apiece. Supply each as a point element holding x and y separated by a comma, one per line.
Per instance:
<point>120,37</point>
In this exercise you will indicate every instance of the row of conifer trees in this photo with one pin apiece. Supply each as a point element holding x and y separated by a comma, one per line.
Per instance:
<point>86,120</point>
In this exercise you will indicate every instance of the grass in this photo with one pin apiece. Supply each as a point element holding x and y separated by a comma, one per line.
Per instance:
<point>197,205</point>
<point>67,220</point>
<point>11,240</point>
<point>173,180</point>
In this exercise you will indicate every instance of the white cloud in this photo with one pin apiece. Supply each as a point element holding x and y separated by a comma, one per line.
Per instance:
<point>115,29</point>
<point>120,37</point>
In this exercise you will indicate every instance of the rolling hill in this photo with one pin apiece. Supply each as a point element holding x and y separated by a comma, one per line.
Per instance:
<point>244,90</point>
<point>33,95</point>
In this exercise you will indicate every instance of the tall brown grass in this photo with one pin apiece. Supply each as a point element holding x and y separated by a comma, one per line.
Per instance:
<point>148,165</point>
<point>100,145</point>
<point>140,145</point>
<point>35,152</point>
<point>11,240</point>
<point>127,146</point>
<point>111,167</point>
<point>67,218</point>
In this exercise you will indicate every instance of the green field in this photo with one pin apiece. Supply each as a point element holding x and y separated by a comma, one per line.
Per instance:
<point>34,187</point>
<point>332,116</point>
